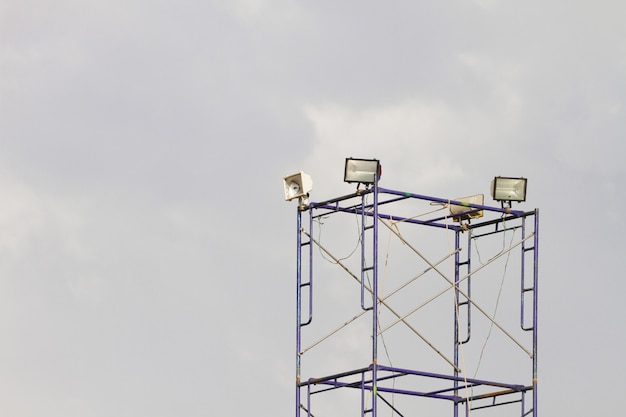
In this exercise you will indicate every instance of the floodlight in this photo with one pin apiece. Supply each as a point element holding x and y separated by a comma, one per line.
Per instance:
<point>508,189</point>
<point>364,171</point>
<point>460,212</point>
<point>297,185</point>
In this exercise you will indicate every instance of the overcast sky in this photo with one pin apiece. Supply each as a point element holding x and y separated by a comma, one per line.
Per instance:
<point>147,257</point>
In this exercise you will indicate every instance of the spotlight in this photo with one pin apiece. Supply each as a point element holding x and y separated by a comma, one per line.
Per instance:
<point>507,189</point>
<point>458,211</point>
<point>297,185</point>
<point>364,171</point>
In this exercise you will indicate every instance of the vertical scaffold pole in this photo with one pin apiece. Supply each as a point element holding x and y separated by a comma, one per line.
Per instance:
<point>456,319</point>
<point>535,308</point>
<point>375,304</point>
<point>298,308</point>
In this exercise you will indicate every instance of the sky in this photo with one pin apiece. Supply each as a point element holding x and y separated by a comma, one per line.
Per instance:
<point>147,255</point>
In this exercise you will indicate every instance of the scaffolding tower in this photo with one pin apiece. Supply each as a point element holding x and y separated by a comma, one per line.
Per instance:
<point>405,308</point>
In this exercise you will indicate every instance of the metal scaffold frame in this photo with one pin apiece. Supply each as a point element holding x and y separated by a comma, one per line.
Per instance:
<point>379,385</point>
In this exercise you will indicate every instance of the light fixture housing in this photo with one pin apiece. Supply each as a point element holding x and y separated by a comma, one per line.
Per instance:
<point>460,212</point>
<point>508,189</point>
<point>364,171</point>
<point>297,185</point>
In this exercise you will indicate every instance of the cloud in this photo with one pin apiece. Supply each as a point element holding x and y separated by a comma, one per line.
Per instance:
<point>424,143</point>
<point>29,217</point>
<point>408,137</point>
<point>144,239</point>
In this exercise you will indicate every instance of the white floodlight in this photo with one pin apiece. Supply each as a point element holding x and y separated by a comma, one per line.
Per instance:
<point>456,210</point>
<point>297,185</point>
<point>507,189</point>
<point>364,171</point>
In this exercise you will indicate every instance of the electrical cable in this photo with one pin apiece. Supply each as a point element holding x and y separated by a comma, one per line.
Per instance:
<point>458,322</point>
<point>504,229</point>
<point>452,285</point>
<point>382,338</point>
<point>382,301</point>
<point>319,238</point>
<point>495,310</point>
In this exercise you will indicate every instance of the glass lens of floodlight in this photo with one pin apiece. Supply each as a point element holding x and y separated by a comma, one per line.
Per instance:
<point>509,189</point>
<point>360,170</point>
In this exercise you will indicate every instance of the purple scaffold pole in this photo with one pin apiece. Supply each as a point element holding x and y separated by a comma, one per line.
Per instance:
<point>375,305</point>
<point>535,309</point>
<point>298,309</point>
<point>373,382</point>
<point>456,320</point>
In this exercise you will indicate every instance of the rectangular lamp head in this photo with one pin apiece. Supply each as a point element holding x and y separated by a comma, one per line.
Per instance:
<point>508,189</point>
<point>457,211</point>
<point>363,171</point>
<point>297,185</point>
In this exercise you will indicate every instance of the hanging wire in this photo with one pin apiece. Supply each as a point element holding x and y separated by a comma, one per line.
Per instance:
<point>495,310</point>
<point>458,321</point>
<point>319,239</point>
<point>382,338</point>
<point>504,230</point>
<point>382,301</point>
<point>453,285</point>
<point>417,216</point>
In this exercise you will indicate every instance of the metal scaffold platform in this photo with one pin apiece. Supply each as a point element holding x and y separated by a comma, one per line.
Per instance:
<point>409,305</point>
